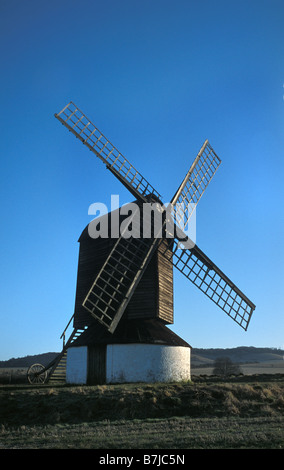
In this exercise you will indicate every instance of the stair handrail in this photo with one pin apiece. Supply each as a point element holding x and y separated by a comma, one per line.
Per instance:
<point>63,334</point>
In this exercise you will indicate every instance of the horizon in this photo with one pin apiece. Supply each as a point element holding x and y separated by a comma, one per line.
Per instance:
<point>158,79</point>
<point>224,349</point>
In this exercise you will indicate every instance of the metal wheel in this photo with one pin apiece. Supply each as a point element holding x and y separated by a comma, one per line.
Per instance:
<point>37,374</point>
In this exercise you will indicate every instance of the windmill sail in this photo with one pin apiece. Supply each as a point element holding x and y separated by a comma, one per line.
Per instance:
<point>126,263</point>
<point>78,123</point>
<point>188,258</point>
<point>204,274</point>
<point>194,184</point>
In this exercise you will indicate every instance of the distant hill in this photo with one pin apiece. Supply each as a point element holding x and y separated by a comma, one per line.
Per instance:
<point>27,361</point>
<point>199,357</point>
<point>241,355</point>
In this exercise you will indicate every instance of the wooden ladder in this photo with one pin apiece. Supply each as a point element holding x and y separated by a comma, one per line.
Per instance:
<point>57,373</point>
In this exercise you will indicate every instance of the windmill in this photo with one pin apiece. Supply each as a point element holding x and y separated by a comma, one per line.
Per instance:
<point>118,272</point>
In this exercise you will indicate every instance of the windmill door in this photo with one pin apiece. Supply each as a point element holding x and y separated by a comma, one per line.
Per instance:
<point>96,364</point>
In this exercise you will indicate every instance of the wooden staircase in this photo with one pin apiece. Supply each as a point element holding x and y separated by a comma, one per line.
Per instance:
<point>57,373</point>
<point>57,376</point>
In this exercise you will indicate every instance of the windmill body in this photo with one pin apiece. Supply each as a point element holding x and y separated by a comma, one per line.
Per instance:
<point>153,297</point>
<point>142,348</point>
<point>124,295</point>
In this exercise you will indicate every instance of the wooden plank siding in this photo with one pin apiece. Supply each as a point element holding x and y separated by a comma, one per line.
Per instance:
<point>92,254</point>
<point>165,288</point>
<point>153,297</point>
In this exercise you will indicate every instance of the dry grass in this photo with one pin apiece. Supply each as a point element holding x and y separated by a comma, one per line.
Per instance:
<point>27,405</point>
<point>13,375</point>
<point>172,433</point>
<point>243,412</point>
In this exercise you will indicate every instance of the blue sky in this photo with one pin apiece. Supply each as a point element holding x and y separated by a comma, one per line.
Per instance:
<point>157,77</point>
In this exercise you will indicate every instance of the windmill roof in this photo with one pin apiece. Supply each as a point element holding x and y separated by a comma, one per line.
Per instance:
<point>130,331</point>
<point>106,217</point>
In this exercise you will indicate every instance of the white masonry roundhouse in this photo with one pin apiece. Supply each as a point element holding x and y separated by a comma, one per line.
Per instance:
<point>138,351</point>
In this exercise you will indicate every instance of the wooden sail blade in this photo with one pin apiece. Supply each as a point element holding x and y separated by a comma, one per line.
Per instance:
<point>194,184</point>
<point>78,123</point>
<point>204,274</point>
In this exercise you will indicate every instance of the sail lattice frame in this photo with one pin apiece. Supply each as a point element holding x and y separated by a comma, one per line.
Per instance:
<point>78,123</point>
<point>204,274</point>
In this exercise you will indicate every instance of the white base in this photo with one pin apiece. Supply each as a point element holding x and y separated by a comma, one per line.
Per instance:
<point>77,365</point>
<point>133,363</point>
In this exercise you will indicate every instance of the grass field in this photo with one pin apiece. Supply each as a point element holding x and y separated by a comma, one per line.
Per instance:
<point>247,369</point>
<point>243,412</point>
